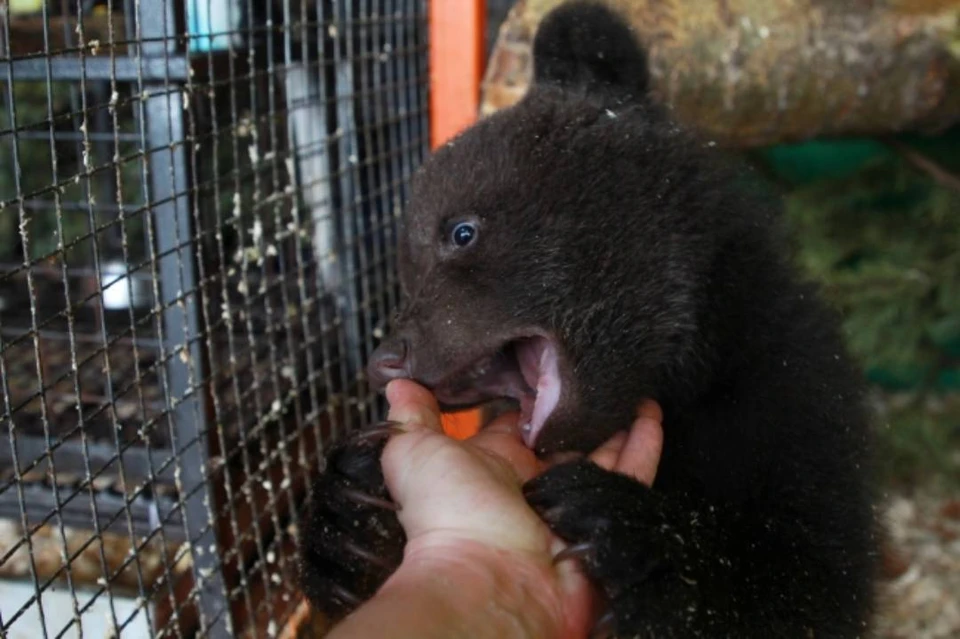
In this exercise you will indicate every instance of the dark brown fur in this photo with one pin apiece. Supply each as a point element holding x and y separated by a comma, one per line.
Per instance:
<point>660,275</point>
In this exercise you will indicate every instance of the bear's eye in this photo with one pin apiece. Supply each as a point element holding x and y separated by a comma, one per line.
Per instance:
<point>463,234</point>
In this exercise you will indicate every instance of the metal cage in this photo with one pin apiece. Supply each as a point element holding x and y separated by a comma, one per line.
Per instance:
<point>198,202</point>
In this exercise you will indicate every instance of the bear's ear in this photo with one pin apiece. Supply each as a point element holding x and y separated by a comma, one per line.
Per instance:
<point>586,47</point>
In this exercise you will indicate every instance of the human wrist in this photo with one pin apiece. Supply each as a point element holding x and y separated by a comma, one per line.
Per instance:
<point>465,589</point>
<point>496,592</point>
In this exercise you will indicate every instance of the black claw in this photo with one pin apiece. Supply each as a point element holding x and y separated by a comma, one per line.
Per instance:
<point>576,551</point>
<point>370,500</point>
<point>604,627</point>
<point>345,595</point>
<point>368,556</point>
<point>381,430</point>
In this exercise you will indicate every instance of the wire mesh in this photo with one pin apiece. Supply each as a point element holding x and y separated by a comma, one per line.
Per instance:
<point>198,202</point>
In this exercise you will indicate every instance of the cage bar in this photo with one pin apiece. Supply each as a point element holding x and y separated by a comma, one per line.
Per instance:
<point>457,46</point>
<point>198,206</point>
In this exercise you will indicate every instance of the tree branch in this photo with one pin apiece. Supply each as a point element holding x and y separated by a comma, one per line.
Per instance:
<point>943,177</point>
<point>751,73</point>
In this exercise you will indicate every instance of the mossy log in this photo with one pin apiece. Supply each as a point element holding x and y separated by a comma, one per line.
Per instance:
<point>752,73</point>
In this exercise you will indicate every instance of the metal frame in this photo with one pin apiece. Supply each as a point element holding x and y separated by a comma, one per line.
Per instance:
<point>122,69</point>
<point>174,491</point>
<point>181,315</point>
<point>160,72</point>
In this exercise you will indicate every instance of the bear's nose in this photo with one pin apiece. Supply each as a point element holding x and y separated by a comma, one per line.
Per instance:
<point>388,362</point>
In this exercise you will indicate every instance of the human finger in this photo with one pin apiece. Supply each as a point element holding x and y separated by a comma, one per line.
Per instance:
<point>502,439</point>
<point>640,456</point>
<point>413,405</point>
<point>608,453</point>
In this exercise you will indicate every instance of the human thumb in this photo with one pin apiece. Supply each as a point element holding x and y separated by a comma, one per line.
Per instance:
<point>412,405</point>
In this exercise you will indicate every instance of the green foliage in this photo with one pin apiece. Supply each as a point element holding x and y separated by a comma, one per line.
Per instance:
<point>884,240</point>
<point>919,437</point>
<point>25,142</point>
<point>884,243</point>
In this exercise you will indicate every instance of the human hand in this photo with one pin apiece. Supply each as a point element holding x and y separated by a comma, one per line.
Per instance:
<point>467,523</point>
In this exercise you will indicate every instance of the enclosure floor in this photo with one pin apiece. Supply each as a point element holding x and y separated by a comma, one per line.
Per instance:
<point>921,602</point>
<point>58,610</point>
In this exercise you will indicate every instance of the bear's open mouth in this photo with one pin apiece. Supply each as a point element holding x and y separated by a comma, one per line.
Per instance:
<point>525,370</point>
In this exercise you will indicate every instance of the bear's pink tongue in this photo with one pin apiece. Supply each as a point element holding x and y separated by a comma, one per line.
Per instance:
<point>526,370</point>
<point>537,357</point>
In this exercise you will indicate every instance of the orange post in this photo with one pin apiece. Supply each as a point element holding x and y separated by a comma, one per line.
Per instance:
<point>456,33</point>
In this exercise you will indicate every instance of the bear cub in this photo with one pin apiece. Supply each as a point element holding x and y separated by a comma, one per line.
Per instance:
<point>577,253</point>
